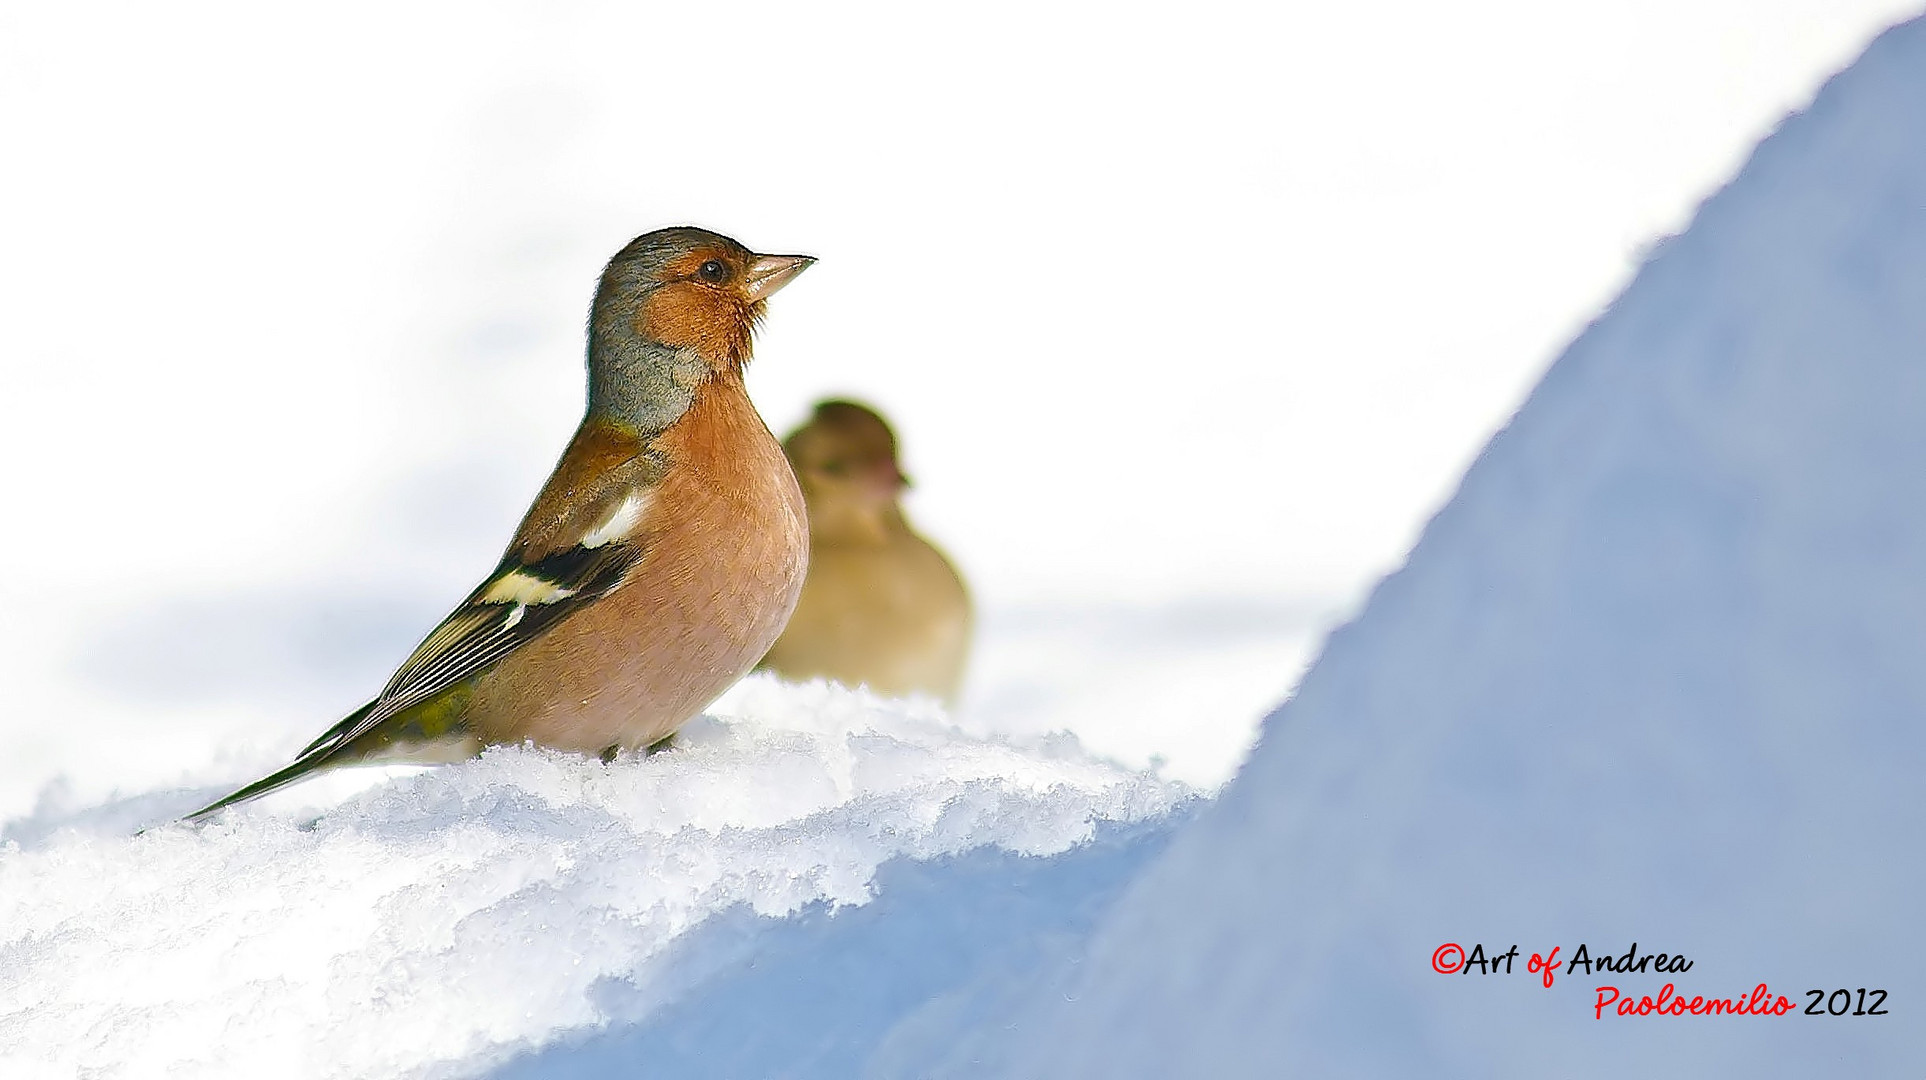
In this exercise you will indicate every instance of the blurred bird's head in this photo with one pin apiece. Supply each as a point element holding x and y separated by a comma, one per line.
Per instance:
<point>845,460</point>
<point>675,308</point>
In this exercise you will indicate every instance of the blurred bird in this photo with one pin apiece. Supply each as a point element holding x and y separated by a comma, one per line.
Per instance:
<point>657,564</point>
<point>881,607</point>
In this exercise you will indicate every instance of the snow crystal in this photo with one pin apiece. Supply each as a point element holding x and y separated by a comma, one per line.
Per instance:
<point>444,919</point>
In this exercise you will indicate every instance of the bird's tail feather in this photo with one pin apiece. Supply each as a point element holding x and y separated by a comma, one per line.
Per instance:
<point>337,732</point>
<point>317,756</point>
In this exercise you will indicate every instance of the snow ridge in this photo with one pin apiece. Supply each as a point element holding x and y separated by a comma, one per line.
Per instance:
<point>437,923</point>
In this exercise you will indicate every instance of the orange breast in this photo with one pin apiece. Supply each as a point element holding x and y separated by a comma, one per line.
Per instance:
<point>725,548</point>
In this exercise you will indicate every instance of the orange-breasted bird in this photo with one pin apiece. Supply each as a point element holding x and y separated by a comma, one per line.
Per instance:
<point>657,564</point>
<point>881,607</point>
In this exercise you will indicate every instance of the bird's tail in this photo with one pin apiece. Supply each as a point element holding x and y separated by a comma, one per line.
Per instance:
<point>338,733</point>
<point>318,755</point>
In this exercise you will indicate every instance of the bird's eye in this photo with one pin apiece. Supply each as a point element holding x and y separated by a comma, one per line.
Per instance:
<point>835,468</point>
<point>713,270</point>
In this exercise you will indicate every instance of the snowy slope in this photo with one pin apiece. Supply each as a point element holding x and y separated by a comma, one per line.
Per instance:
<point>1654,675</point>
<point>440,923</point>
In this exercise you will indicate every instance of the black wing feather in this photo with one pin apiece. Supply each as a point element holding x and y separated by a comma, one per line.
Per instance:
<point>482,631</point>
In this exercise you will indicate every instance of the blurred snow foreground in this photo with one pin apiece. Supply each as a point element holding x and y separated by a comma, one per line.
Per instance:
<point>1654,675</point>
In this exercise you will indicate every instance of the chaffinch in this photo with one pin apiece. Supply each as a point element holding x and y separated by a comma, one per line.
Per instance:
<point>881,607</point>
<point>659,561</point>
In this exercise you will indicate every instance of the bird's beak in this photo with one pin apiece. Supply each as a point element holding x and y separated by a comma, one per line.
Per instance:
<point>771,272</point>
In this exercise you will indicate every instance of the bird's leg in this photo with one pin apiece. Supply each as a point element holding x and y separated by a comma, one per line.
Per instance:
<point>610,752</point>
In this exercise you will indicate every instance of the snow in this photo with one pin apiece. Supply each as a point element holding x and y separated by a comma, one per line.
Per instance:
<point>446,919</point>
<point>1178,687</point>
<point>1652,676</point>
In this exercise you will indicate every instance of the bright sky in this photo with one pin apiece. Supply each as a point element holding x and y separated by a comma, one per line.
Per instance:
<point>1166,301</point>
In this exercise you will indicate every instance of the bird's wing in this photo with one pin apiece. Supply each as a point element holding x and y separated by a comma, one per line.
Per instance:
<point>528,593</point>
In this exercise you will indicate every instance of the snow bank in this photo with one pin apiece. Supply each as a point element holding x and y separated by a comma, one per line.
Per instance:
<point>438,922</point>
<point>826,993</point>
<point>1657,674</point>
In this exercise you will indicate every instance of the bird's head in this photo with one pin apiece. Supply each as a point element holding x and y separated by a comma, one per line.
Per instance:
<point>675,308</point>
<point>845,461</point>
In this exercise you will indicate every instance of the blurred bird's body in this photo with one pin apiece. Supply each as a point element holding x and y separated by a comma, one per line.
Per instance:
<point>659,561</point>
<point>881,607</point>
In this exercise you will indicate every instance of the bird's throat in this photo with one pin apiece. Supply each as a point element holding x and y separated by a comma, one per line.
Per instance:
<point>643,386</point>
